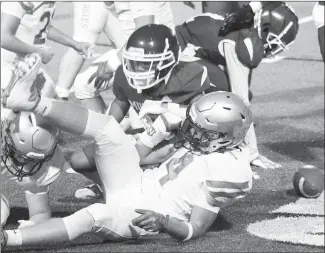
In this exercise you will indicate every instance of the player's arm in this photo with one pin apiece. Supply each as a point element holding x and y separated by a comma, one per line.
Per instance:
<point>11,14</point>
<point>119,109</point>
<point>156,133</point>
<point>238,73</point>
<point>200,221</point>
<point>56,35</point>
<point>120,105</point>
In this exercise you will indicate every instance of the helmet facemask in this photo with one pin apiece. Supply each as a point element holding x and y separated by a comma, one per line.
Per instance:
<point>21,165</point>
<point>144,71</point>
<point>273,43</point>
<point>200,139</point>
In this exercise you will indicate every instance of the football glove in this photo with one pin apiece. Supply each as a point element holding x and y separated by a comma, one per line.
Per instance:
<point>234,21</point>
<point>102,76</point>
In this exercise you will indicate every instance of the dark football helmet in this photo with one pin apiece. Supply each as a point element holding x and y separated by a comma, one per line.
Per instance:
<point>26,143</point>
<point>149,56</point>
<point>277,25</point>
<point>216,121</point>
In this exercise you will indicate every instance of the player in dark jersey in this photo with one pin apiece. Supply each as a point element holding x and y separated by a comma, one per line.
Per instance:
<point>151,73</point>
<point>239,51</point>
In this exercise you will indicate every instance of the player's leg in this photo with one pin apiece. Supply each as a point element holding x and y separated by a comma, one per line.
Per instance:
<point>164,14</point>
<point>89,18</point>
<point>318,15</point>
<point>111,143</point>
<point>52,232</point>
<point>36,189</point>
<point>84,163</point>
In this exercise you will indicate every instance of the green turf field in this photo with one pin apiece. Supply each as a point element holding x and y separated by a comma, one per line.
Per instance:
<point>288,108</point>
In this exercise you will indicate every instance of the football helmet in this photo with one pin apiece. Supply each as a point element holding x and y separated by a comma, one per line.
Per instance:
<point>277,25</point>
<point>27,142</point>
<point>216,121</point>
<point>149,56</point>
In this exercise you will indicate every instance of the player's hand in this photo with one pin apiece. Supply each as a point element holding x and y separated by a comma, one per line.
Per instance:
<point>46,54</point>
<point>152,107</point>
<point>172,121</point>
<point>102,76</point>
<point>83,48</point>
<point>149,220</point>
<point>189,4</point>
<point>265,163</point>
<point>237,20</point>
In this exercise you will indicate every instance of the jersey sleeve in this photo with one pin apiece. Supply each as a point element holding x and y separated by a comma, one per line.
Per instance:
<point>17,9</point>
<point>249,48</point>
<point>118,84</point>
<point>193,80</point>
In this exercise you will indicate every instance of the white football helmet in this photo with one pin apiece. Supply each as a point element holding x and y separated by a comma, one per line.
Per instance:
<point>217,121</point>
<point>27,142</point>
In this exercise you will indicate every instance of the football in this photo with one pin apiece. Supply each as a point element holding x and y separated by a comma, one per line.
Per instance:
<point>309,182</point>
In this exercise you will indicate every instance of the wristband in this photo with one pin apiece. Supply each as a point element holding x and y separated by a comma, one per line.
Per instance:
<point>177,109</point>
<point>190,232</point>
<point>154,134</point>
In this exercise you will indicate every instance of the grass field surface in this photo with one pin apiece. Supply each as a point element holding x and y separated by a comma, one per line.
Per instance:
<point>288,108</point>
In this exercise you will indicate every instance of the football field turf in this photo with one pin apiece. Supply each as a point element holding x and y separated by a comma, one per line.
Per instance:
<point>288,109</point>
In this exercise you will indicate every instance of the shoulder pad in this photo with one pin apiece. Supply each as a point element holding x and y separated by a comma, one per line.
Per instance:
<point>249,48</point>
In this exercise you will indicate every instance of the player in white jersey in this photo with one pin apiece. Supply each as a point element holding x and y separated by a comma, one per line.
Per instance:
<point>182,197</point>
<point>25,26</point>
<point>31,158</point>
<point>122,19</point>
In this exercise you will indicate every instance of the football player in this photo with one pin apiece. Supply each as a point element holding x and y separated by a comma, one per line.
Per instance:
<point>182,197</point>
<point>118,20</point>
<point>151,73</point>
<point>30,157</point>
<point>239,52</point>
<point>25,26</point>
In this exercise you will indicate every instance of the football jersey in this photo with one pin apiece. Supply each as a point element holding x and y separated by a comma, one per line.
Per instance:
<point>209,181</point>
<point>185,82</point>
<point>34,19</point>
<point>199,37</point>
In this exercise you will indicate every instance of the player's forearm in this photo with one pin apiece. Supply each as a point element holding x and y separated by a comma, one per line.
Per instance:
<point>13,44</point>
<point>181,230</point>
<point>59,37</point>
<point>118,110</point>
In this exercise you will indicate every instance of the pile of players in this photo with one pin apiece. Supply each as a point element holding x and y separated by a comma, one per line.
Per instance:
<point>184,90</point>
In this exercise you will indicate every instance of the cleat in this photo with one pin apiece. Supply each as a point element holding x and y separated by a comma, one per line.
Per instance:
<point>89,192</point>
<point>21,93</point>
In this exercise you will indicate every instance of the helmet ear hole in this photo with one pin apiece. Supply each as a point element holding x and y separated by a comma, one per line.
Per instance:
<point>242,116</point>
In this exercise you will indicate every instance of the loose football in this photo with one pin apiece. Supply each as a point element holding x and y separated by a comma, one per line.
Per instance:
<point>309,182</point>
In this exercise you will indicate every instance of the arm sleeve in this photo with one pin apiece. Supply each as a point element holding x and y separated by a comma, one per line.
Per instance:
<point>238,74</point>
<point>17,9</point>
<point>119,80</point>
